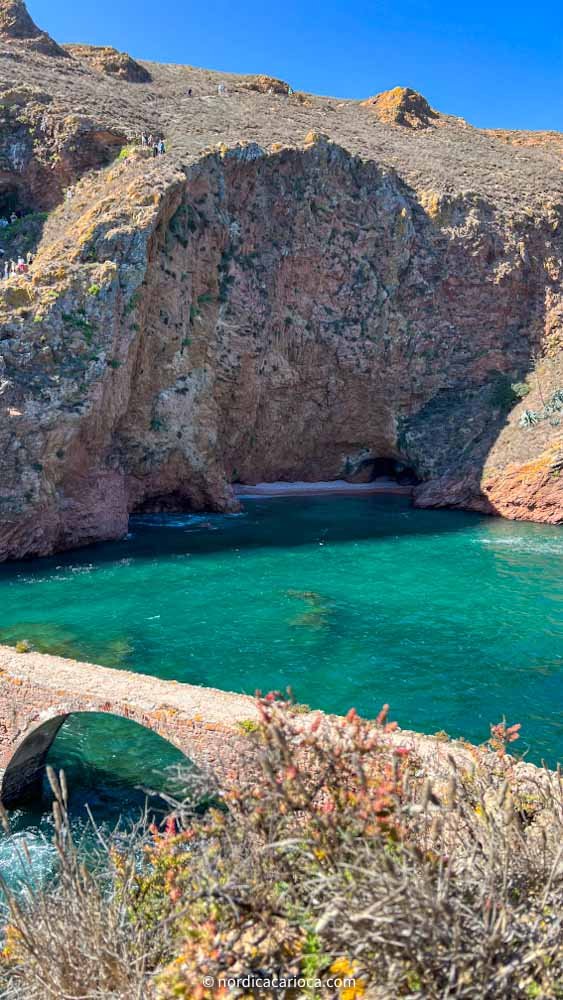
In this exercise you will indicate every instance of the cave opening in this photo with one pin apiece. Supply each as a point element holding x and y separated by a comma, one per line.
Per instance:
<point>10,201</point>
<point>164,503</point>
<point>21,226</point>
<point>386,468</point>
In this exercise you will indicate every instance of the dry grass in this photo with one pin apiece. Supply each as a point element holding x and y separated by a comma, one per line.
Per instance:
<point>339,855</point>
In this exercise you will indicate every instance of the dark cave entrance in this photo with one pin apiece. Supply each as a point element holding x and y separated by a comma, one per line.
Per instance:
<point>10,201</point>
<point>164,503</point>
<point>386,469</point>
<point>21,227</point>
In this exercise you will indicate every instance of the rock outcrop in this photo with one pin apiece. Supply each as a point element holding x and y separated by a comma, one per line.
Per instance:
<point>293,292</point>
<point>16,26</point>
<point>402,106</point>
<point>263,84</point>
<point>105,59</point>
<point>45,148</point>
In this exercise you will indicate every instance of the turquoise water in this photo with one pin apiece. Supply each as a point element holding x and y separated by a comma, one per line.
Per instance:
<point>115,771</point>
<point>453,618</point>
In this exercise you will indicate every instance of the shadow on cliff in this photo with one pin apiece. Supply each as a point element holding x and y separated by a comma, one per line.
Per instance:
<point>281,522</point>
<point>450,438</point>
<point>21,229</point>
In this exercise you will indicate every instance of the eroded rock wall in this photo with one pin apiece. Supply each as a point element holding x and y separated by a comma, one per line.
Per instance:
<point>284,315</point>
<point>305,309</point>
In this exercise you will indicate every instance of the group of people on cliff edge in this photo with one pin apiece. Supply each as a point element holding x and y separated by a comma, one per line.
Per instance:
<point>9,268</point>
<point>158,146</point>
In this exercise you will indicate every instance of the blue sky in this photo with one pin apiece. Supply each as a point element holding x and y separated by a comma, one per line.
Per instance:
<point>494,63</point>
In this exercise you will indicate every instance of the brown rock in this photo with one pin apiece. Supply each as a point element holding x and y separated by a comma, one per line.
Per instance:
<point>402,106</point>
<point>17,26</point>
<point>105,59</point>
<point>263,84</point>
<point>238,311</point>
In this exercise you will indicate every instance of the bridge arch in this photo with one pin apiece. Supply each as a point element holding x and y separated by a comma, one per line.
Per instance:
<point>38,691</point>
<point>22,780</point>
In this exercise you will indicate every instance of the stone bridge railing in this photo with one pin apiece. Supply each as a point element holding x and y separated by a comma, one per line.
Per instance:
<point>38,692</point>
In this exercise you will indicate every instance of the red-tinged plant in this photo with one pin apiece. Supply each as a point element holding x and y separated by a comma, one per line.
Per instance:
<point>324,778</point>
<point>335,851</point>
<point>502,735</point>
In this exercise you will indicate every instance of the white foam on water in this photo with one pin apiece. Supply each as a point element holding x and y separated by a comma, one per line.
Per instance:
<point>16,869</point>
<point>525,545</point>
<point>209,521</point>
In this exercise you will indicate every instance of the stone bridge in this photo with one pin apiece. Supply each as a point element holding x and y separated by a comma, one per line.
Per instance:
<point>38,692</point>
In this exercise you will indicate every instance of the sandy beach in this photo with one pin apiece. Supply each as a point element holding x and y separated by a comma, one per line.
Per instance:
<point>335,486</point>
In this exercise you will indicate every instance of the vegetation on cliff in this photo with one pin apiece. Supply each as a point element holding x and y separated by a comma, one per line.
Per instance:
<point>105,59</point>
<point>301,285</point>
<point>336,865</point>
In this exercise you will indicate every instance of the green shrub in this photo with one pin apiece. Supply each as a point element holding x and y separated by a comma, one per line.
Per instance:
<point>133,302</point>
<point>79,321</point>
<point>248,726</point>
<point>503,394</point>
<point>520,389</point>
<point>549,411</point>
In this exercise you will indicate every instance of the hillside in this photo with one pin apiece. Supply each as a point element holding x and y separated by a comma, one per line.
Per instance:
<point>299,288</point>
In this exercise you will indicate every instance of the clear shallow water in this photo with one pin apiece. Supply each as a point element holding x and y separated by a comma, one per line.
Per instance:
<point>453,618</point>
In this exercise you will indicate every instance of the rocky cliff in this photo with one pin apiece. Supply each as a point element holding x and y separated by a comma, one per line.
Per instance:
<point>299,288</point>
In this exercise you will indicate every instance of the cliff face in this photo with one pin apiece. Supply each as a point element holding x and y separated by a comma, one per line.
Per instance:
<point>283,305</point>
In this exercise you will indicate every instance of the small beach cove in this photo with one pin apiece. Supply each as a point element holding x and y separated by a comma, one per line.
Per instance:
<point>335,487</point>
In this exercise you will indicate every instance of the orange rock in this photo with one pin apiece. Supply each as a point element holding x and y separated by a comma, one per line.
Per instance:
<point>402,106</point>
